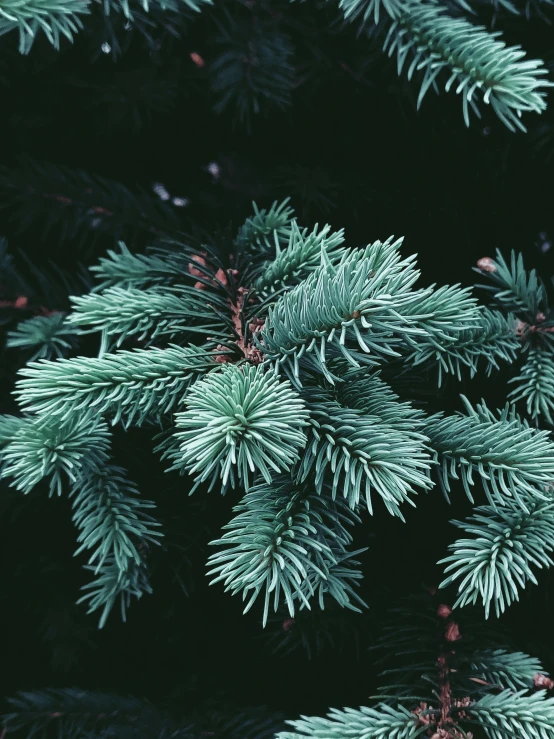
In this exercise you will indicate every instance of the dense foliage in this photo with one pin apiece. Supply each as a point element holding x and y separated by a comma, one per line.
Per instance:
<point>347,406</point>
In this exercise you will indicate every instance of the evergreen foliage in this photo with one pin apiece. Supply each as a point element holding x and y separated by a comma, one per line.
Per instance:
<point>254,67</point>
<point>520,292</point>
<point>479,65</point>
<point>451,686</point>
<point>318,384</point>
<point>128,384</point>
<point>42,448</point>
<point>511,457</point>
<point>242,419</point>
<point>457,679</point>
<point>54,18</point>
<point>291,392</point>
<point>46,336</point>
<point>283,395</point>
<point>497,561</point>
<point>288,540</point>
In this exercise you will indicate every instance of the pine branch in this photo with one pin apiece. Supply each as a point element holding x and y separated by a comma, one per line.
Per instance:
<point>363,455</point>
<point>374,397</point>
<point>126,270</point>
<point>74,711</point>
<point>111,586</point>
<point>48,448</point>
<point>512,460</point>
<point>150,313</point>
<point>42,289</point>
<point>509,714</point>
<point>80,205</point>
<point>364,9</point>
<point>281,536</point>
<point>535,384</point>
<point>339,581</point>
<point>173,6</point>
<point>55,18</point>
<point>253,69</point>
<point>323,314</point>
<point>514,289</point>
<point>498,560</point>
<point>301,256</point>
<point>513,670</point>
<point>9,427</point>
<point>480,66</point>
<point>494,339</point>
<point>259,232</point>
<point>129,385</point>
<point>241,421</point>
<point>369,723</point>
<point>48,336</point>
<point>369,289</point>
<point>112,519</point>
<point>441,312</point>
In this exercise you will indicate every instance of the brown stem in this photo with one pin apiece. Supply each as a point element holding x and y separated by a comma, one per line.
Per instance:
<point>251,353</point>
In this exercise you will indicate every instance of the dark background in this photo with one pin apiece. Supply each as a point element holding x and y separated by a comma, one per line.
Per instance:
<point>351,151</point>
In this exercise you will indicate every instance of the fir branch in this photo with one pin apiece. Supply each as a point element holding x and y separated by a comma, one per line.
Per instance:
<point>534,385</point>
<point>366,722</point>
<point>112,518</point>
<point>280,536</point>
<point>513,670</point>
<point>503,716</point>
<point>42,290</point>
<point>78,713</point>
<point>497,561</point>
<point>169,262</point>
<point>301,256</point>
<point>9,427</point>
<point>112,585</point>
<point>47,448</point>
<point>126,270</point>
<point>374,397</point>
<point>368,289</point>
<point>480,66</point>
<point>362,455</point>
<point>128,385</point>
<point>259,232</point>
<point>492,340</point>
<point>513,288</point>
<point>154,312</point>
<point>339,581</point>
<point>441,312</point>
<point>241,421</point>
<point>48,336</point>
<point>55,18</point>
<point>512,460</point>
<point>324,313</point>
